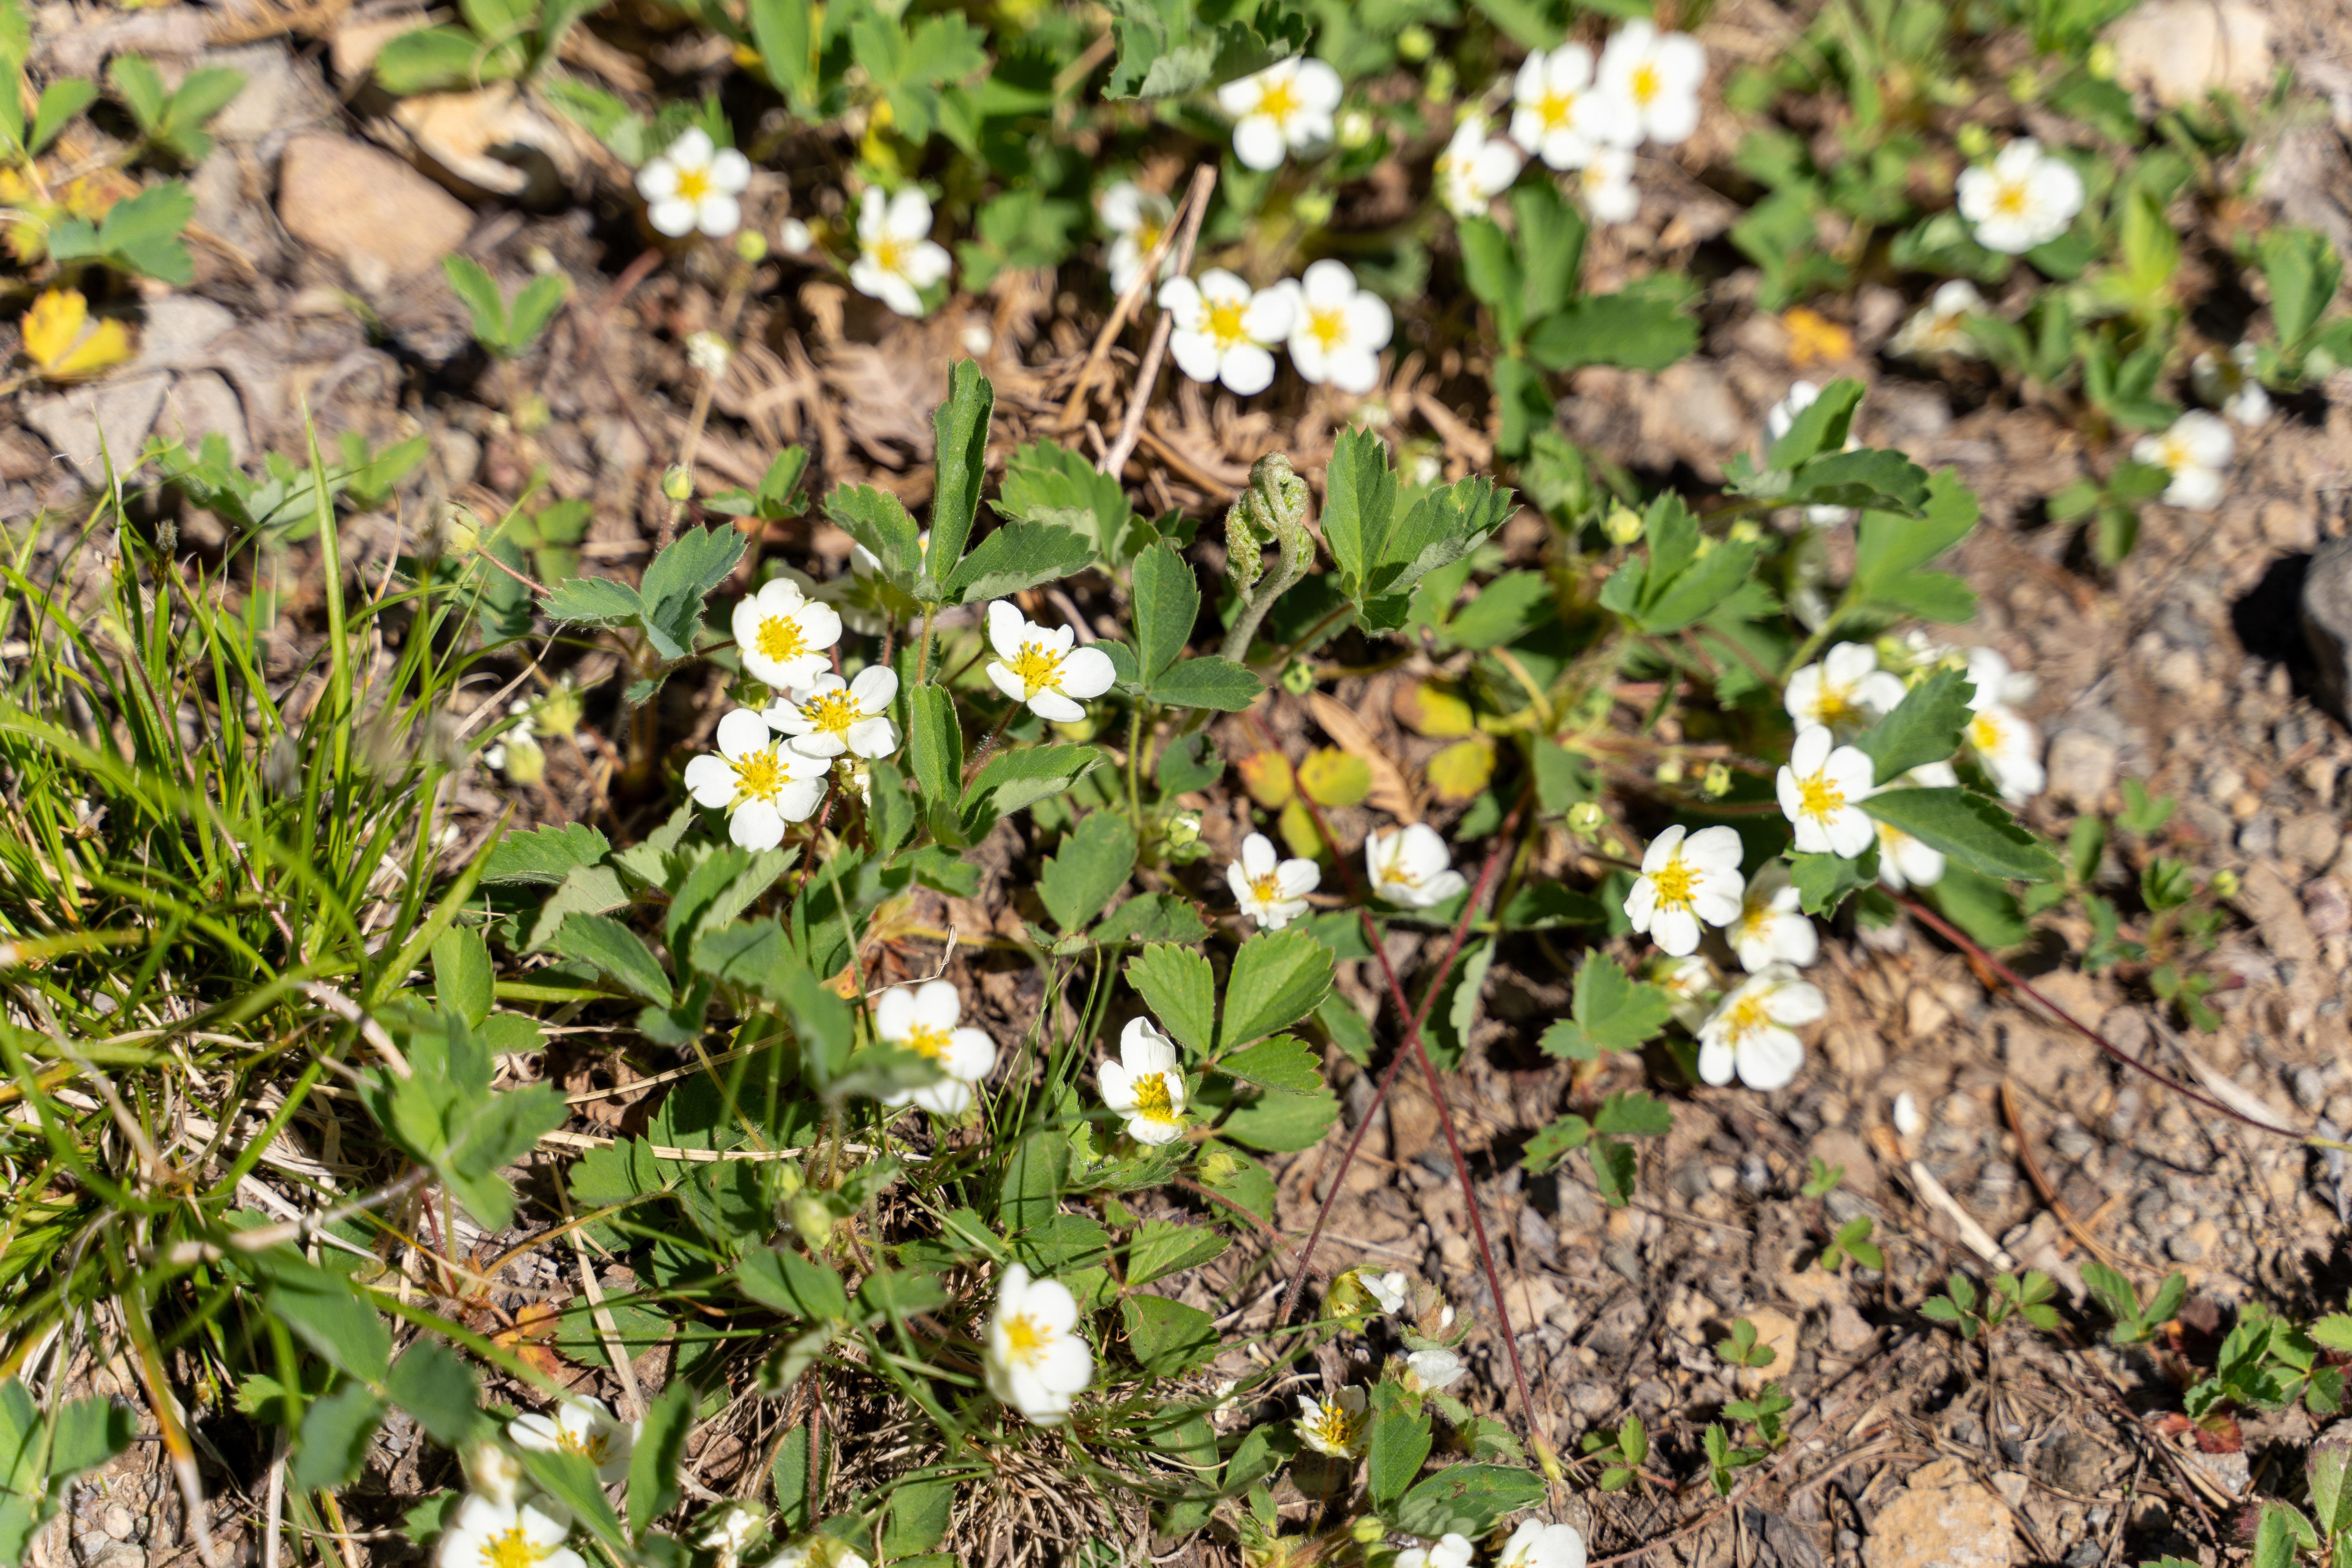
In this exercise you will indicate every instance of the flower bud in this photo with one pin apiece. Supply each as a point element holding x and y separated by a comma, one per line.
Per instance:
<point>752,246</point>
<point>1586,819</point>
<point>1299,677</point>
<point>2225,884</point>
<point>678,483</point>
<point>2101,61</point>
<point>1183,828</point>
<point>1355,130</point>
<point>1623,525</point>
<point>1438,86</point>
<point>1313,208</point>
<point>1747,531</point>
<point>1366,1530</point>
<point>1974,142</point>
<point>561,711</point>
<point>812,1219</point>
<point>793,238</point>
<point>1718,780</point>
<point>493,1472</point>
<point>1669,771</point>
<point>2024,84</point>
<point>1416,43</point>
<point>526,760</point>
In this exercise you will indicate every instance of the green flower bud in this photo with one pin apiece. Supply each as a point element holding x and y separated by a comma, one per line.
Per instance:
<point>1416,43</point>
<point>561,711</point>
<point>812,1218</point>
<point>1313,208</point>
<point>1747,531</point>
<point>1586,819</point>
<point>1299,677</point>
<point>752,246</point>
<point>1669,771</point>
<point>1367,1531</point>
<point>1623,525</point>
<point>1183,828</point>
<point>1718,780</point>
<point>1974,142</point>
<point>2225,884</point>
<point>678,483</point>
<point>1438,86</point>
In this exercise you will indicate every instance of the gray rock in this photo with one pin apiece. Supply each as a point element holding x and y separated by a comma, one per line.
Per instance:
<point>2311,839</point>
<point>90,424</point>
<point>384,221</point>
<point>2259,838</point>
<point>2184,1248</point>
<point>204,404</point>
<point>2328,621</point>
<point>2082,768</point>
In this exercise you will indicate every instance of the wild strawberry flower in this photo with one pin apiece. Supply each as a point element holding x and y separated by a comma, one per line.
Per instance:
<point>1941,325</point>
<point>1751,1033</point>
<point>1145,1085</point>
<point>782,635</point>
<point>1337,1425</point>
<point>1903,861</point>
<point>518,754</point>
<point>923,1019</point>
<point>1476,168</point>
<point>2003,740</point>
<point>1650,81</point>
<point>1271,890</point>
<point>1771,928</point>
<point>492,1471</point>
<point>2025,198</point>
<point>1338,330</point>
<point>897,256</point>
<point>1690,984</point>
<point>2230,385</point>
<point>829,715</point>
<point>693,184</point>
<point>1411,865</point>
<point>584,1426</point>
<point>761,783</point>
<point>1822,786</point>
<point>1042,667</point>
<point>1388,1290</point>
<point>1844,690</point>
<point>1686,878</point>
<point>1536,1544</point>
<point>490,1533</point>
<point>1035,1360</point>
<point>1225,330</point>
<point>1136,219</point>
<point>1452,1550</point>
<point>1553,105</point>
<point>730,1527</point>
<point>2196,452</point>
<point>1433,1369</point>
<point>819,1552</point>
<point>1283,109</point>
<point>1606,186</point>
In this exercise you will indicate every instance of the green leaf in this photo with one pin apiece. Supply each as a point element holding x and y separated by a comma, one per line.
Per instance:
<point>618,952</point>
<point>592,601</point>
<point>88,1432</point>
<point>1888,482</point>
<point>1168,1338</point>
<point>1162,1248</point>
<point>919,1516</point>
<point>1277,978</point>
<point>1612,1012</point>
<point>934,744</point>
<point>1466,1499</point>
<point>1018,555</point>
<point>461,973</point>
<point>534,307</point>
<point>1094,861</point>
<point>1281,1122</point>
<point>1630,1114</point>
<point>1360,503</point>
<point>571,1480</point>
<point>1284,1062</point>
<point>1047,482</point>
<point>1010,781</point>
<point>786,38</point>
<point>333,1442</point>
<point>1503,609</point>
<point>1170,48</point>
<point>1033,1178</point>
<point>1211,682</point>
<point>60,102</point>
<point>546,854</point>
<point>142,86</point>
<point>1152,917</point>
<point>680,578</point>
<point>1972,830</point>
<point>432,60</point>
<point>1696,592</point>
<point>436,1387</point>
<point>1640,328</point>
<point>791,1284</point>
<point>1554,1143</point>
<point>1179,986</point>
<point>1925,727</point>
<point>660,1448</point>
<point>2301,268</point>
<point>961,445</point>
<point>1823,882</point>
<point>876,519</point>
<point>479,292</point>
<point>1820,426</point>
<point>325,1313</point>
<point>1167,602</point>
<point>1394,1452</point>
<point>1189,763</point>
<point>141,232</point>
<point>1980,906</point>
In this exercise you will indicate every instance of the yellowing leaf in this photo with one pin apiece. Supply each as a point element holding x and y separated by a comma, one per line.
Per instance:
<point>1333,777</point>
<point>1429,708</point>
<point>1297,830</point>
<point>56,343</point>
<point>1267,775</point>
<point>1463,769</point>
<point>1342,723</point>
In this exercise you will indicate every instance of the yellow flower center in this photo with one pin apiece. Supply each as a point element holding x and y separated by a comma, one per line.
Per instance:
<point>1039,668</point>
<point>1026,1339</point>
<point>1266,890</point>
<point>693,184</point>
<point>1224,322</point>
<point>1675,882</point>
<point>1152,1101</point>
<point>2176,454</point>
<point>1278,102</point>
<point>1746,1016</point>
<point>780,638</point>
<point>832,711</point>
<point>1331,1423</point>
<point>759,776</point>
<point>1555,108</point>
<point>2009,198</point>
<point>1645,85</point>
<point>592,1447</point>
<point>1834,706</point>
<point>924,1040</point>
<point>1146,236</point>
<point>1817,796</point>
<point>512,1549</point>
<point>1985,732</point>
<point>1329,327</point>
<point>889,254</point>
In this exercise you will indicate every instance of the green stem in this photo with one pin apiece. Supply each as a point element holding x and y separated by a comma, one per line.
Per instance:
<point>923,650</point>
<point>1135,766</point>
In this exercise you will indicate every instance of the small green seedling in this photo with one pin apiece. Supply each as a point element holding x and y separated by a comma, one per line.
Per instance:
<point>173,119</point>
<point>1851,1241</point>
<point>505,329</point>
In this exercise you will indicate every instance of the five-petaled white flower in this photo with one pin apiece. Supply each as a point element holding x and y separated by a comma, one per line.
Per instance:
<point>490,1533</point>
<point>897,256</point>
<point>1285,108</point>
<point>1686,878</point>
<point>1821,787</point>
<point>782,635</point>
<point>1941,325</point>
<point>1476,168</point>
<point>2003,740</point>
<point>1145,1085</point>
<point>1225,330</point>
<point>1339,330</point>
<point>1750,1033</point>
<point>2195,452</point>
<point>923,1019</point>
<point>1452,1550</point>
<point>760,782</point>
<point>1845,690</point>
<point>584,1426</point>
<point>1903,860</point>
<point>1411,865</point>
<point>1553,107</point>
<point>1388,1290</point>
<point>1606,185</point>
<point>819,1552</point>
<point>1337,1425</point>
<point>1036,1361</point>
<point>1689,982</point>
<point>1271,890</point>
<point>1041,668</point>
<point>693,184</point>
<point>1650,80</point>
<point>1136,219</point>
<point>2025,198</point>
<point>828,716</point>
<point>1771,928</point>
<point>2232,385</point>
<point>1536,1544</point>
<point>1433,1369</point>
<point>730,1527</point>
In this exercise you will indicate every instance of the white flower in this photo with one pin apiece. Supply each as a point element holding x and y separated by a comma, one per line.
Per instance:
<point>923,1020</point>
<point>1451,1551</point>
<point>1339,330</point>
<point>760,782</point>
<point>2230,384</point>
<point>1750,1033</point>
<point>1136,219</point>
<point>1606,184</point>
<point>693,184</point>
<point>1903,860</point>
<point>1536,1544</point>
<point>2195,451</point>
<point>829,715</point>
<point>1144,1085</point>
<point>1552,115</point>
<point>819,1552</point>
<point>1941,325</point>
<point>1411,865</point>
<point>488,1533</point>
<point>1041,668</point>
<point>493,1471</point>
<point>708,352</point>
<point>1433,1369</point>
<point>583,1426</point>
<point>1284,108</point>
<point>1822,785</point>
<point>1225,330</point>
<point>897,257</point>
<point>1684,880</point>
<point>793,238</point>
<point>1994,681</point>
<point>782,635</point>
<point>1651,79</point>
<point>2026,198</point>
<point>2003,740</point>
<point>1337,1426</point>
<point>1036,1361</point>
<point>1388,1290</point>
<point>1771,928</point>
<point>1689,982</point>
<point>1845,690</point>
<point>1270,891</point>
<point>730,1527</point>
<point>1476,168</point>
<point>518,754</point>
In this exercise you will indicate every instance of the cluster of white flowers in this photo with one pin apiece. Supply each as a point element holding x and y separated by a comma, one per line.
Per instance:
<point>1227,331</point>
<point>2196,452</point>
<point>2026,197</point>
<point>518,754</point>
<point>1534,1544</point>
<point>497,1526</point>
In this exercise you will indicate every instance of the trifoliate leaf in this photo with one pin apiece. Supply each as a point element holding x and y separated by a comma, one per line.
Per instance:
<point>1612,1011</point>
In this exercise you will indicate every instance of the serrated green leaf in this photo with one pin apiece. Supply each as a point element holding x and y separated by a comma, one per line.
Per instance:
<point>1394,1452</point>
<point>1281,1122</point>
<point>1167,602</point>
<point>960,427</point>
<point>618,952</point>
<point>1018,555</point>
<point>876,521</point>
<point>1094,860</point>
<point>1925,727</point>
<point>1211,682</point>
<point>1179,986</point>
<point>1638,329</point>
<point>1012,781</point>
<point>1554,1143</point>
<point>1283,1062</point>
<point>1466,1499</point>
<point>592,601</point>
<point>1277,978</point>
<point>1969,829</point>
<point>1823,882</point>
<point>332,1444</point>
<point>1612,1012</point>
<point>436,1387</point>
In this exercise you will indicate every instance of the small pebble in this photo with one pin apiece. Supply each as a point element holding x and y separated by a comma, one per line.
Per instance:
<point>2184,1248</point>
